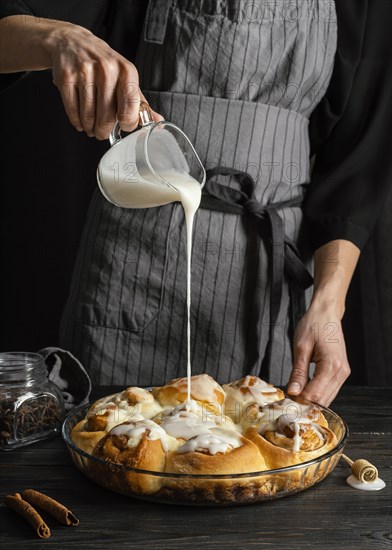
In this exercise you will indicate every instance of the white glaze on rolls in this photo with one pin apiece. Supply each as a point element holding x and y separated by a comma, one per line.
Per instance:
<point>216,441</point>
<point>288,415</point>
<point>204,389</point>
<point>115,414</point>
<point>241,394</point>
<point>134,401</point>
<point>261,391</point>
<point>203,432</point>
<point>186,421</point>
<point>291,430</point>
<point>135,430</point>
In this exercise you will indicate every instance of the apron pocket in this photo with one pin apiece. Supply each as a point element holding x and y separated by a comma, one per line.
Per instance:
<point>120,273</point>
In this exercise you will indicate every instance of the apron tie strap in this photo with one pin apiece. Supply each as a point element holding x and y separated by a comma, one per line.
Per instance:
<point>284,254</point>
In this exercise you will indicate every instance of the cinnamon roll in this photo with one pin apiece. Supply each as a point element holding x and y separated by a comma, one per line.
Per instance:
<point>141,444</point>
<point>243,395</point>
<point>132,404</point>
<point>289,432</point>
<point>217,452</point>
<point>207,444</point>
<point>204,389</point>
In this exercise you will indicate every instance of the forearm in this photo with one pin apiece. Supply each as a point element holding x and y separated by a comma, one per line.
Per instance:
<point>80,62</point>
<point>319,337</point>
<point>25,42</point>
<point>334,266</point>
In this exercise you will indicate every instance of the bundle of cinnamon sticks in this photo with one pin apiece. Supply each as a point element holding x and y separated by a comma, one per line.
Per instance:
<point>24,504</point>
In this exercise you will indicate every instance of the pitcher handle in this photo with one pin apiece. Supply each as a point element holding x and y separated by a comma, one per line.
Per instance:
<point>145,118</point>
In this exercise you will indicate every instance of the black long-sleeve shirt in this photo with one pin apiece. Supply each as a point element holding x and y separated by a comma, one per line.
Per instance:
<point>350,129</point>
<point>349,134</point>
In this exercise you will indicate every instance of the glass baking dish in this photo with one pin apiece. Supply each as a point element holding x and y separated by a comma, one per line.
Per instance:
<point>206,490</point>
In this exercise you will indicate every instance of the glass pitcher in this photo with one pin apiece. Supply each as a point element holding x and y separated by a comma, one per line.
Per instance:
<point>137,170</point>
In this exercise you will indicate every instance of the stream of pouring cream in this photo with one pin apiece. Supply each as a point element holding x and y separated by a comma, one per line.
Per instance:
<point>190,194</point>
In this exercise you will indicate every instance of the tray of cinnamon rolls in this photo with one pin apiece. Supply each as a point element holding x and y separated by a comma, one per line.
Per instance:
<point>203,443</point>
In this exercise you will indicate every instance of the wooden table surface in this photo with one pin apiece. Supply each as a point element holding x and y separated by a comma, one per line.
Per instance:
<point>330,515</point>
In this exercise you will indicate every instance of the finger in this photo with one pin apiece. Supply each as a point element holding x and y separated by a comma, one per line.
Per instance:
<point>322,385</point>
<point>155,116</point>
<point>87,101</point>
<point>332,397</point>
<point>328,378</point>
<point>69,95</point>
<point>106,107</point>
<point>329,397</point>
<point>299,375</point>
<point>128,101</point>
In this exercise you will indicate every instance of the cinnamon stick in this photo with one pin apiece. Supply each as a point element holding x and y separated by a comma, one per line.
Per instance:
<point>24,509</point>
<point>51,506</point>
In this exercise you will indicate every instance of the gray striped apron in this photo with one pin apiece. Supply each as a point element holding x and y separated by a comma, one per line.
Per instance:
<point>241,78</point>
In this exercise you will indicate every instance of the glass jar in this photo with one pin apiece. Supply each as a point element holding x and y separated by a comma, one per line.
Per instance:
<point>31,406</point>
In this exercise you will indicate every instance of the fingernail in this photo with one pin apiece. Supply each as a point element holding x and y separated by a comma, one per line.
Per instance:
<point>295,387</point>
<point>79,129</point>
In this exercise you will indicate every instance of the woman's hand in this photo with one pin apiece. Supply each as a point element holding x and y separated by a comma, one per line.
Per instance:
<point>97,84</point>
<point>319,337</point>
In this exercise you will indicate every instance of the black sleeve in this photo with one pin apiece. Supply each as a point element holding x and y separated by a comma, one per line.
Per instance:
<point>7,8</point>
<point>350,129</point>
<point>13,7</point>
<point>91,14</point>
